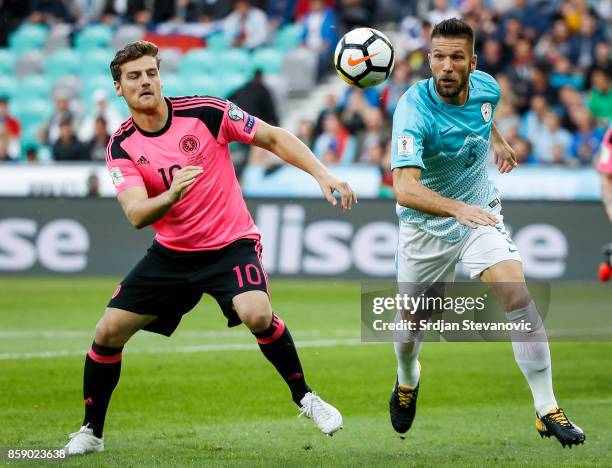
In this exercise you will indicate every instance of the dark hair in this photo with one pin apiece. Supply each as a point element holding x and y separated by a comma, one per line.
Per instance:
<point>133,51</point>
<point>454,27</point>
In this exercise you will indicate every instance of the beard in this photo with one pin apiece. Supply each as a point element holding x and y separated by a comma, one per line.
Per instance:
<point>452,91</point>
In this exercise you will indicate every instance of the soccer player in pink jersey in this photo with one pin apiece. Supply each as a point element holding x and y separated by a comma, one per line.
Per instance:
<point>171,167</point>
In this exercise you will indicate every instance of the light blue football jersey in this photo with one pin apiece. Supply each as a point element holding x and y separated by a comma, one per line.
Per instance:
<point>450,144</point>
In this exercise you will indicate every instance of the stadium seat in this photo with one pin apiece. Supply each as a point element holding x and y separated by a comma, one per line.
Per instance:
<point>28,37</point>
<point>32,87</point>
<point>126,33</point>
<point>100,81</point>
<point>300,69</point>
<point>58,38</point>
<point>69,85</point>
<point>203,85</point>
<point>33,112</point>
<point>198,61</point>
<point>96,61</point>
<point>268,59</point>
<point>63,62</point>
<point>8,84</point>
<point>231,82</point>
<point>217,42</point>
<point>7,61</point>
<point>289,37</point>
<point>174,85</point>
<point>94,36</point>
<point>170,59</point>
<point>30,63</point>
<point>234,61</point>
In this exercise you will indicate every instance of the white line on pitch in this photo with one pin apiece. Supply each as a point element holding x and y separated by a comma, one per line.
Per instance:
<point>185,349</point>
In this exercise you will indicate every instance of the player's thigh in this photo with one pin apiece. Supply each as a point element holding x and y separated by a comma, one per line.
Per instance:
<point>508,281</point>
<point>116,326</point>
<point>239,270</point>
<point>423,258</point>
<point>487,246</point>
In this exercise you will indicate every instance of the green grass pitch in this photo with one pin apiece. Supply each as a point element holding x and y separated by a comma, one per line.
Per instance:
<point>207,397</point>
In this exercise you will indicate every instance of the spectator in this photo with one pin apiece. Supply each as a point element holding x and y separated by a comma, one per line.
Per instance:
<point>413,37</point>
<point>532,123</point>
<point>521,69</point>
<point>104,109</point>
<point>552,145</point>
<point>30,155</point>
<point>356,13</point>
<point>533,21</point>
<point>397,85</point>
<point>213,10</point>
<point>320,33</point>
<point>355,112</point>
<point>335,145</point>
<point>600,100</point>
<point>12,124</point>
<point>50,133</point>
<point>96,148</point>
<point>6,155</point>
<point>371,136</point>
<point>564,75</point>
<point>246,26</point>
<point>586,139</point>
<point>67,147</point>
<point>602,60</point>
<point>331,107</point>
<point>255,99</point>
<point>441,11</point>
<point>506,116</point>
<point>93,186</point>
<point>554,44</point>
<point>12,14</point>
<point>540,85</point>
<point>582,45</point>
<point>491,60</point>
<point>306,132</point>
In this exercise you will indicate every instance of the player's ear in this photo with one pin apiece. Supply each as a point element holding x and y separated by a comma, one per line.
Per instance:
<point>473,63</point>
<point>117,88</point>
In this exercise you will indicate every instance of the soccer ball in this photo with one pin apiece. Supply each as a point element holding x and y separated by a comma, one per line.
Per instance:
<point>364,57</point>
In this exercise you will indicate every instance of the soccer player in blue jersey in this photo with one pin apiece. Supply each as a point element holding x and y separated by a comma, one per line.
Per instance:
<point>450,212</point>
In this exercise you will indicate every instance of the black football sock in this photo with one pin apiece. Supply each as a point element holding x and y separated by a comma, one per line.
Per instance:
<point>277,346</point>
<point>102,369</point>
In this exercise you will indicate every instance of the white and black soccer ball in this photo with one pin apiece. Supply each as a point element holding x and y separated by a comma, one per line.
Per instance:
<point>364,57</point>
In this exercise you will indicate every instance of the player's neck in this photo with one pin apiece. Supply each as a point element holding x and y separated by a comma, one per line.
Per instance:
<point>457,100</point>
<point>151,121</point>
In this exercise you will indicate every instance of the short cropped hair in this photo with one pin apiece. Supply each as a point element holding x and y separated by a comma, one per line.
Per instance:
<point>133,51</point>
<point>454,27</point>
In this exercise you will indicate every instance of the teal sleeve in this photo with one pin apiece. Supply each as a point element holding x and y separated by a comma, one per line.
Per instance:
<point>408,135</point>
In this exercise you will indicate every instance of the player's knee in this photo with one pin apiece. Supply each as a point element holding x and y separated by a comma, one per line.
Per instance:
<point>257,315</point>
<point>110,333</point>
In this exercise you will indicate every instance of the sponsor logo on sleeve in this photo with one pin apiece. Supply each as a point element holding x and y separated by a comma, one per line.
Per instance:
<point>235,113</point>
<point>487,111</point>
<point>117,176</point>
<point>405,145</point>
<point>248,126</point>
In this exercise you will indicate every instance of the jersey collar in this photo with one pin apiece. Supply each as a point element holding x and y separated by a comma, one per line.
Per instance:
<point>163,129</point>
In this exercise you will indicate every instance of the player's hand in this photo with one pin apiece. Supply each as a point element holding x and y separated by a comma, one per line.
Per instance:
<point>505,157</point>
<point>330,184</point>
<point>183,179</point>
<point>473,216</point>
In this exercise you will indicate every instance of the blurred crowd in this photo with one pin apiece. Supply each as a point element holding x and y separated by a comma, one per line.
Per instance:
<point>552,59</point>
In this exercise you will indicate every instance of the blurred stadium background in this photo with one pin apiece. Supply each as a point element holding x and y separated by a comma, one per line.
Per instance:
<point>59,218</point>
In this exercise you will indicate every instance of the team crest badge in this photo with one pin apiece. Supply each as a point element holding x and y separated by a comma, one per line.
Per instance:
<point>189,144</point>
<point>235,113</point>
<point>487,111</point>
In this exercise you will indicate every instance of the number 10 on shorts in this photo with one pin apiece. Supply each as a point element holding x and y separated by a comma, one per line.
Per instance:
<point>251,273</point>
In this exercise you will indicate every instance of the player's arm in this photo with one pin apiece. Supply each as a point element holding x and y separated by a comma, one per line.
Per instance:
<point>409,192</point>
<point>142,210</point>
<point>290,149</point>
<point>505,157</point>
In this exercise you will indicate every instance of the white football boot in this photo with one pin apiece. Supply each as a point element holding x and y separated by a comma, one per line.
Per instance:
<point>83,442</point>
<point>327,418</point>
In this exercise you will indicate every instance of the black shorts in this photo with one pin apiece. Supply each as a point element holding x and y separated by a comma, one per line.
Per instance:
<point>168,283</point>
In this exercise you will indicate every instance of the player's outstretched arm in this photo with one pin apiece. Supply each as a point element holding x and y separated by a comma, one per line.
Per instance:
<point>142,210</point>
<point>410,193</point>
<point>289,148</point>
<point>505,157</point>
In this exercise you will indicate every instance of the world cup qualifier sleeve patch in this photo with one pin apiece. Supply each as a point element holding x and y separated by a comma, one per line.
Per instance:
<point>405,145</point>
<point>117,176</point>
<point>235,113</point>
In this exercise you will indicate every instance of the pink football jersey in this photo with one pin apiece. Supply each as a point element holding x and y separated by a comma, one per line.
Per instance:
<point>604,163</point>
<point>212,213</point>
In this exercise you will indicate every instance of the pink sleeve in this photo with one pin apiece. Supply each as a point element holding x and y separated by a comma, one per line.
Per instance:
<point>124,174</point>
<point>236,125</point>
